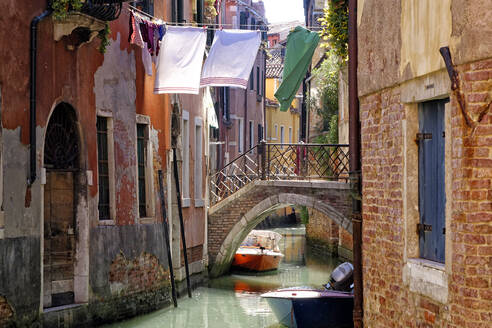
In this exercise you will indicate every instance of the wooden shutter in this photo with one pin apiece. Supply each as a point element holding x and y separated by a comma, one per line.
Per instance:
<point>432,196</point>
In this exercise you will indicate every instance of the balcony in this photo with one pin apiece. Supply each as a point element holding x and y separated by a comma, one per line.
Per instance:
<point>105,10</point>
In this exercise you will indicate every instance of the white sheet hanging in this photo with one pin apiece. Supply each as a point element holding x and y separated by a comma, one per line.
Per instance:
<point>208,107</point>
<point>180,60</point>
<point>231,58</point>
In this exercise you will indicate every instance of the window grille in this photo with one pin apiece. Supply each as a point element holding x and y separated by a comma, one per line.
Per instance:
<point>103,168</point>
<point>141,163</point>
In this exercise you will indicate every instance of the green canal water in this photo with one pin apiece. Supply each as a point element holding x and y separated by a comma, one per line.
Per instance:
<point>234,300</point>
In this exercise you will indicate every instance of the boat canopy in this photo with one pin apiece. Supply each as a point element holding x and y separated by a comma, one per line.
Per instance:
<point>263,238</point>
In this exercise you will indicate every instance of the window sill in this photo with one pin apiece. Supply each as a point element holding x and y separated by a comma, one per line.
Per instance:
<point>185,202</point>
<point>427,278</point>
<point>107,223</point>
<point>199,203</point>
<point>146,220</point>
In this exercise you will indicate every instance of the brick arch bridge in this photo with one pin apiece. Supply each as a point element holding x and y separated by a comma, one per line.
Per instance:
<point>253,191</point>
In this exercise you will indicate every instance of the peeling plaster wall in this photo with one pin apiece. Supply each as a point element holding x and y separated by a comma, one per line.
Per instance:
<point>114,87</point>
<point>421,38</point>
<point>471,37</point>
<point>379,44</point>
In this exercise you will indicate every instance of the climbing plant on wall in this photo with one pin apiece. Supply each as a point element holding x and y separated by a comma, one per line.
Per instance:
<point>335,27</point>
<point>325,100</point>
<point>61,8</point>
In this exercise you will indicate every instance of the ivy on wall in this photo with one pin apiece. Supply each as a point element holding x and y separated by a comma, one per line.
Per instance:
<point>335,27</point>
<point>61,8</point>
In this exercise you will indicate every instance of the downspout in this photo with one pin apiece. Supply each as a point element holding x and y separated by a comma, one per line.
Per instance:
<point>355,163</point>
<point>32,92</point>
<point>246,123</point>
<point>263,131</point>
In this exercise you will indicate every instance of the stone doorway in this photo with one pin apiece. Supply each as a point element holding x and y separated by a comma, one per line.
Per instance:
<point>61,162</point>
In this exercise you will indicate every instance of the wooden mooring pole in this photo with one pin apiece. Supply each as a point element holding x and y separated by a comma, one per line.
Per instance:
<point>181,223</point>
<point>166,238</point>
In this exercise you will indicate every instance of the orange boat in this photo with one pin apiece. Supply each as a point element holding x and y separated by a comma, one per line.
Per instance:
<point>259,252</point>
<point>256,259</point>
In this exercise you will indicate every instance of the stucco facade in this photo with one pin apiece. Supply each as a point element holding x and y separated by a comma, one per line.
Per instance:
<point>120,266</point>
<point>400,71</point>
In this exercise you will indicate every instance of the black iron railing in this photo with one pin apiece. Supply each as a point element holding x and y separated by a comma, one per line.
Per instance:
<point>105,10</point>
<point>269,161</point>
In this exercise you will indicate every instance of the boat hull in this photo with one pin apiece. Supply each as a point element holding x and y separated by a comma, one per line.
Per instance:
<point>312,308</point>
<point>256,261</point>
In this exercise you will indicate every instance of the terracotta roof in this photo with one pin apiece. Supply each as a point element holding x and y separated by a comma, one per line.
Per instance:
<point>274,71</point>
<point>274,64</point>
<point>283,29</point>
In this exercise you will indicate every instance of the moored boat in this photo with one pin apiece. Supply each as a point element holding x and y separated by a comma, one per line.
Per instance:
<point>259,252</point>
<point>303,307</point>
<point>256,259</point>
<point>306,308</point>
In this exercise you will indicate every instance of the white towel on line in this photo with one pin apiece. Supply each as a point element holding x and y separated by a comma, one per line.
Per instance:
<point>180,59</point>
<point>208,106</point>
<point>231,58</point>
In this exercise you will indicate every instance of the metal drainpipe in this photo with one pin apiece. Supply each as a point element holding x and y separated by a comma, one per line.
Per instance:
<point>32,93</point>
<point>355,164</point>
<point>263,131</point>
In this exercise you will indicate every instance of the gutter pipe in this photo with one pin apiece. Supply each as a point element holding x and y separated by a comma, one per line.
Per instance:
<point>355,163</point>
<point>32,92</point>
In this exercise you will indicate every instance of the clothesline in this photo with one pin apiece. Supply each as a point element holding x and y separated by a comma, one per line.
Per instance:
<point>208,25</point>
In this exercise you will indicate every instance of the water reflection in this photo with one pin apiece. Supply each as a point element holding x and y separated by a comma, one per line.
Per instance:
<point>234,301</point>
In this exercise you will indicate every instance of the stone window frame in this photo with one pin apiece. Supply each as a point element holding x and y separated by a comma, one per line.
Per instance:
<point>149,172</point>
<point>240,136</point>
<point>423,276</point>
<point>275,127</point>
<point>111,168</point>
<point>251,133</point>
<point>282,135</point>
<point>185,166</point>
<point>198,163</point>
<point>291,137</point>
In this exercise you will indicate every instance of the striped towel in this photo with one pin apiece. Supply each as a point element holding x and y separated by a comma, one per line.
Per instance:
<point>180,59</point>
<point>231,58</point>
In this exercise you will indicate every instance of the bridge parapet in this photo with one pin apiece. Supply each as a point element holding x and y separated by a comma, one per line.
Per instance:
<point>273,161</point>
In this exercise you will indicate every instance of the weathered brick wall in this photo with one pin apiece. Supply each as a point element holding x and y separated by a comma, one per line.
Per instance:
<point>345,245</point>
<point>322,231</point>
<point>470,284</point>
<point>388,302</point>
<point>143,273</point>
<point>382,166</point>
<point>6,312</point>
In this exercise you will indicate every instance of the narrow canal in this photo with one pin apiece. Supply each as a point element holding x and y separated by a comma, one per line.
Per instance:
<point>234,300</point>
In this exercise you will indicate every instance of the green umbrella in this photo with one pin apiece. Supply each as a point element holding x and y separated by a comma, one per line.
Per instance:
<point>301,44</point>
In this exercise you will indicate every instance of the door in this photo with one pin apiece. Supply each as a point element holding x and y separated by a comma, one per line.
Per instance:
<point>59,239</point>
<point>432,196</point>
<point>61,158</point>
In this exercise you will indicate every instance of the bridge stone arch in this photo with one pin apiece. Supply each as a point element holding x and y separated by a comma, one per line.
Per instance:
<point>232,219</point>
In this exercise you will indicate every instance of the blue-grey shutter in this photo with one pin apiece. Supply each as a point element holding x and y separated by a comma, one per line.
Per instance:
<point>432,196</point>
